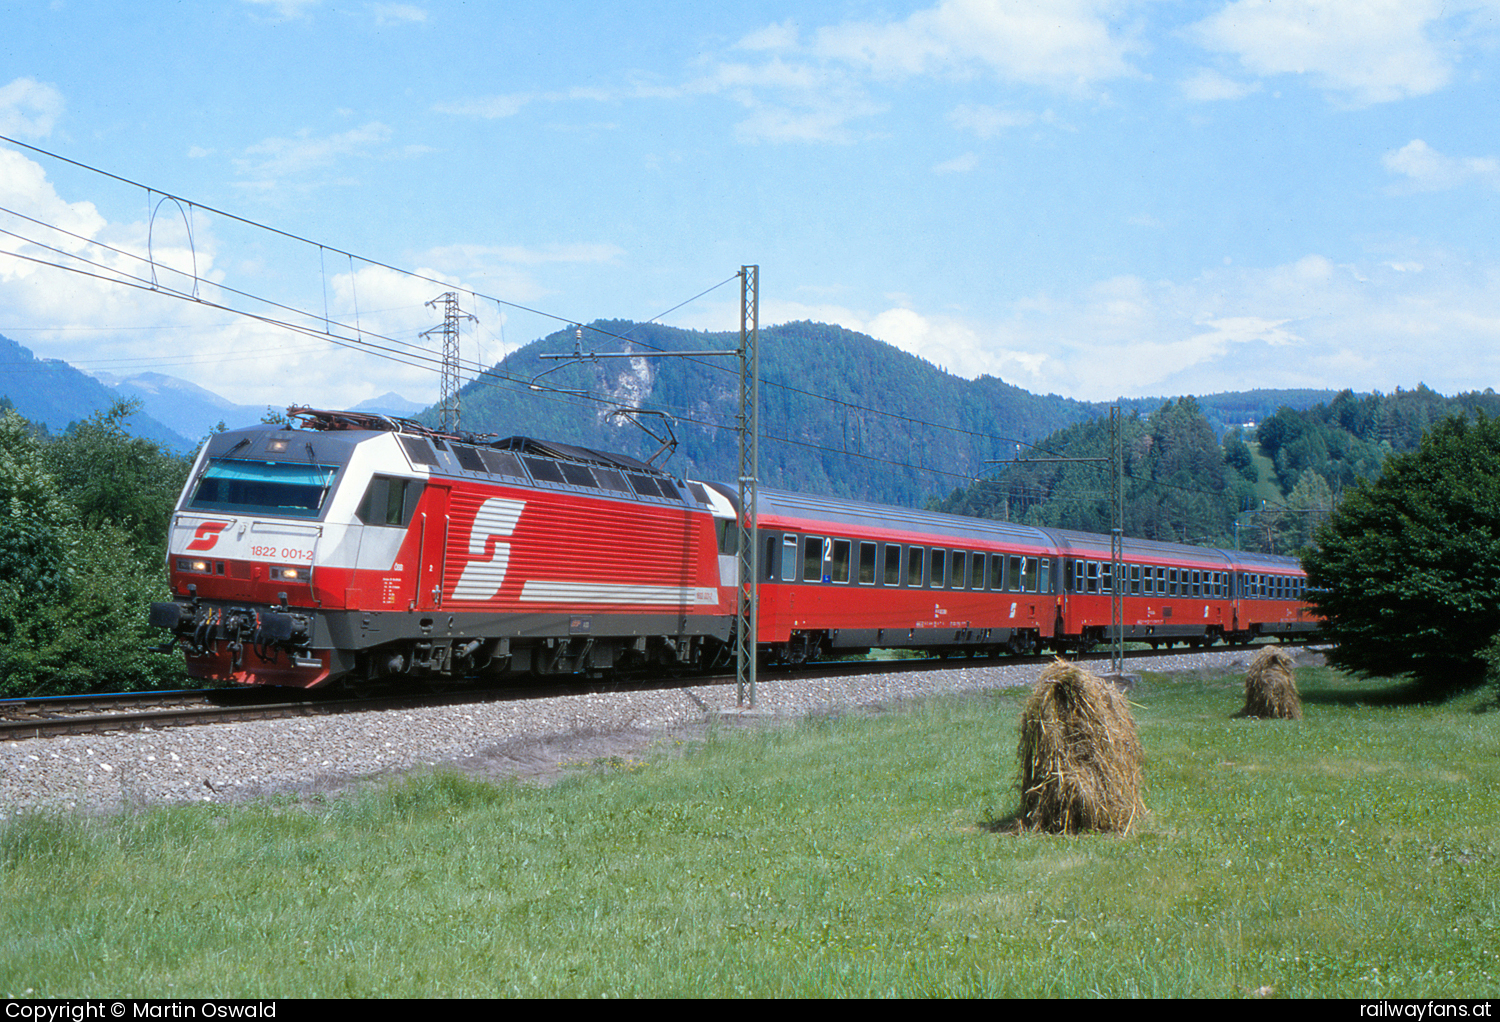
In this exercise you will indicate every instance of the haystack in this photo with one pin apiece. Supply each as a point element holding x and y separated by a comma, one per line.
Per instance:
<point>1270,687</point>
<point>1080,755</point>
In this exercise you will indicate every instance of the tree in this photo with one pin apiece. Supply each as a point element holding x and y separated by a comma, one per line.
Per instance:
<point>82,534</point>
<point>111,477</point>
<point>1407,570</point>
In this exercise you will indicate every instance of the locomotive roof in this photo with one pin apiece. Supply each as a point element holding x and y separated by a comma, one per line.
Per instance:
<point>323,419</point>
<point>568,452</point>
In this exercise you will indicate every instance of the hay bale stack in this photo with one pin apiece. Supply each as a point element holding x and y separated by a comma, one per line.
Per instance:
<point>1080,755</point>
<point>1270,686</point>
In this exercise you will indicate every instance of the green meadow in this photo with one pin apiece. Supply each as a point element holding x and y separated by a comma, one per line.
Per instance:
<point>1355,853</point>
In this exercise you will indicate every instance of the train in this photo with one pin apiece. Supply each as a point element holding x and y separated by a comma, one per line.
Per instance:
<point>348,548</point>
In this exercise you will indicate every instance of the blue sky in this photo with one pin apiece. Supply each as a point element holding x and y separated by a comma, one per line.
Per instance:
<point>1089,198</point>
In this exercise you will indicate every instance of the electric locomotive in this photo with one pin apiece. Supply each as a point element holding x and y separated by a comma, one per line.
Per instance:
<point>361,546</point>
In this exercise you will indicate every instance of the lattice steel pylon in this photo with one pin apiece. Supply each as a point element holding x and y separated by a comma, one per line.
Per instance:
<point>448,402</point>
<point>749,590</point>
<point>1118,582</point>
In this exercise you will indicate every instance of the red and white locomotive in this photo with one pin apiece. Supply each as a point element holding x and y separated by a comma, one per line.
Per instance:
<point>354,546</point>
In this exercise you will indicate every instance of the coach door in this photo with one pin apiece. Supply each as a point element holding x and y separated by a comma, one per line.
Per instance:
<point>433,526</point>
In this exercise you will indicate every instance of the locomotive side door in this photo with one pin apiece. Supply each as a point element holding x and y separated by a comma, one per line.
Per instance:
<point>433,525</point>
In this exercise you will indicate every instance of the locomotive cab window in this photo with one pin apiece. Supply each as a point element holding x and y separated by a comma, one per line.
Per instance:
<point>728,532</point>
<point>273,488</point>
<point>389,501</point>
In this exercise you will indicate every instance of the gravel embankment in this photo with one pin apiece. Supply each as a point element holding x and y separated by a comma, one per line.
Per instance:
<point>536,739</point>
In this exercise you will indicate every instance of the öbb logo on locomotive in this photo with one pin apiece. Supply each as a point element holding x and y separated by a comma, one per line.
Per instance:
<point>489,549</point>
<point>368,547</point>
<point>206,535</point>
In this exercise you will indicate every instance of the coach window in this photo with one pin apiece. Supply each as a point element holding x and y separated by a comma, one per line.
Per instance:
<point>1044,574</point>
<point>1013,575</point>
<point>960,577</point>
<point>769,568</point>
<point>867,564</point>
<point>789,558</point>
<point>1171,581</point>
<point>1092,583</point>
<point>1106,577</point>
<point>840,567</point>
<point>938,575</point>
<point>812,558</point>
<point>976,571</point>
<point>1135,580</point>
<point>913,565</point>
<point>997,572</point>
<point>892,573</point>
<point>1031,574</point>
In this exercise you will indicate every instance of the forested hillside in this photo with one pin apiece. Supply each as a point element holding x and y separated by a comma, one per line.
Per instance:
<point>1180,486</point>
<point>842,414</point>
<point>1278,482</point>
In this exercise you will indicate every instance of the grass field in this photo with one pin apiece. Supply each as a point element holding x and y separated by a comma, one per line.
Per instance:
<point>1352,854</point>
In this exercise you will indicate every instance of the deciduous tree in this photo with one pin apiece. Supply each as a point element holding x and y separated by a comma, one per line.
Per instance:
<point>1407,570</point>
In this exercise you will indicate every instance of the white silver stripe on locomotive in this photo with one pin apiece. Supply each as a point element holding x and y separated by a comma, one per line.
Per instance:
<point>596,592</point>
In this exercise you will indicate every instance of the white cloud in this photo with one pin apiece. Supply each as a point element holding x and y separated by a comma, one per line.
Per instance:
<point>1060,43</point>
<point>276,158</point>
<point>780,36</point>
<point>1428,170</point>
<point>487,107</point>
<point>529,255</point>
<point>29,108</point>
<point>1310,322</point>
<point>1374,51</point>
<point>988,121</point>
<point>286,8</point>
<point>958,165</point>
<point>99,324</point>
<point>790,101</point>
<point>397,14</point>
<point>1208,85</point>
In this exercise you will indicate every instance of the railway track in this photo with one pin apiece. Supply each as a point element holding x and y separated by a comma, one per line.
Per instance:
<point>46,717</point>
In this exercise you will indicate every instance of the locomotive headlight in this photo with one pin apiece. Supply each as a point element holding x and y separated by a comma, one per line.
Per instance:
<point>199,566</point>
<point>290,574</point>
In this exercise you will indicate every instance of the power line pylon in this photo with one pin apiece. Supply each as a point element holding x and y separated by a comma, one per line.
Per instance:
<point>448,401</point>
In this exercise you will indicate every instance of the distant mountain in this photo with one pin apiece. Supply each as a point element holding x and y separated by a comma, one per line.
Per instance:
<point>841,413</point>
<point>1245,408</point>
<point>52,392</point>
<point>186,407</point>
<point>390,404</point>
